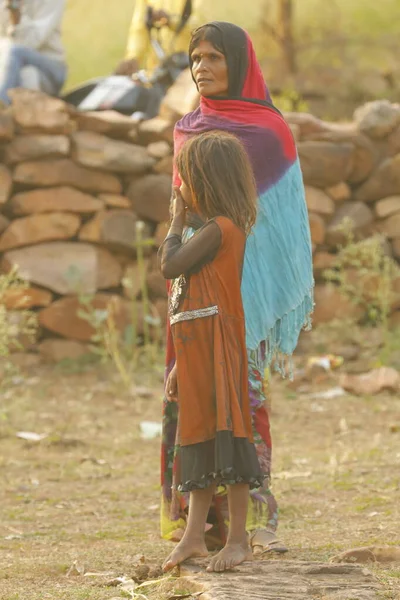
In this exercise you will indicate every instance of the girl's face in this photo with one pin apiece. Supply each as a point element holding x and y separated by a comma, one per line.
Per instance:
<point>186,195</point>
<point>210,70</point>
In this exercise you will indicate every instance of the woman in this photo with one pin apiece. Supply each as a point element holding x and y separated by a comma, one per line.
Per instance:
<point>277,283</point>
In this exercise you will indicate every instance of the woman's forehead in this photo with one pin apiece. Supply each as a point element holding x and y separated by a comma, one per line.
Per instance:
<point>204,47</point>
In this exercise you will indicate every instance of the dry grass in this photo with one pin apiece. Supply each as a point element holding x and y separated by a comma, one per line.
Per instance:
<point>95,33</point>
<point>89,491</point>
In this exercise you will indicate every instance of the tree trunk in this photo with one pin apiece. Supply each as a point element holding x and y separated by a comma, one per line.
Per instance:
<point>284,28</point>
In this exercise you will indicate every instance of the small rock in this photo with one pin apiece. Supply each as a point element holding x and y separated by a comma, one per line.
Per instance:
<point>161,306</point>
<point>106,122</point>
<point>35,229</point>
<point>159,150</point>
<point>62,317</point>
<point>32,147</point>
<point>100,152</point>
<point>156,285</point>
<point>6,127</point>
<point>387,207</point>
<point>21,341</point>
<point>394,320</point>
<point>391,226</point>
<point>307,124</point>
<point>319,202</point>
<point>66,267</point>
<point>325,164</point>
<point>25,360</point>
<point>321,262</point>
<point>165,166</point>
<point>4,223</point>
<point>348,352</point>
<point>55,199</point>
<point>181,98</point>
<point>372,383</point>
<point>116,228</point>
<point>150,197</point>
<point>330,304</point>
<point>364,159</point>
<point>18,299</point>
<point>396,247</point>
<point>161,233</point>
<point>377,119</point>
<point>64,172</point>
<point>156,130</point>
<point>366,554</point>
<point>34,110</point>
<point>317,228</point>
<point>359,216</point>
<point>393,142</point>
<point>5,184</point>
<point>115,200</point>
<point>340,192</point>
<point>296,131</point>
<point>364,156</point>
<point>384,181</point>
<point>131,281</point>
<point>56,350</point>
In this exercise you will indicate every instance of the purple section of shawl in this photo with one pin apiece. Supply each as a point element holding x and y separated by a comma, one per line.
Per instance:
<point>264,147</point>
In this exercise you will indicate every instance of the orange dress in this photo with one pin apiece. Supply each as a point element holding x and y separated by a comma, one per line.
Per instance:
<point>215,443</point>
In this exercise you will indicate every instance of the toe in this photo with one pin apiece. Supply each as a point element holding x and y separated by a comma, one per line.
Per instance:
<point>220,567</point>
<point>166,566</point>
<point>169,564</point>
<point>210,568</point>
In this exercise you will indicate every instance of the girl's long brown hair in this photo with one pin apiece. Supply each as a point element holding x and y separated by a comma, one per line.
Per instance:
<point>216,168</point>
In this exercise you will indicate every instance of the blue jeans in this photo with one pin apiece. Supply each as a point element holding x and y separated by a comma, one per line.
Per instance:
<point>52,71</point>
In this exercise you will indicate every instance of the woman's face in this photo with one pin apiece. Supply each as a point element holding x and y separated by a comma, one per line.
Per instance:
<point>210,70</point>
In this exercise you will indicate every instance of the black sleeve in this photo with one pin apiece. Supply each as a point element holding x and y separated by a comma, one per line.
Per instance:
<point>177,259</point>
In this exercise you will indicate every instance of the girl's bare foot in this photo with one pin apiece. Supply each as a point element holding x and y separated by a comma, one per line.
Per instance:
<point>185,549</point>
<point>231,556</point>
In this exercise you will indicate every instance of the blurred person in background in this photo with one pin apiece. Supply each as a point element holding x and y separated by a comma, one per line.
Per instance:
<point>176,19</point>
<point>31,50</point>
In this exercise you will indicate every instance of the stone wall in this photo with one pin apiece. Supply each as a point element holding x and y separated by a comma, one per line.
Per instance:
<point>351,171</point>
<point>73,187</point>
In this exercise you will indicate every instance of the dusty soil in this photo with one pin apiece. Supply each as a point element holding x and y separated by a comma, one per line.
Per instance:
<point>85,499</point>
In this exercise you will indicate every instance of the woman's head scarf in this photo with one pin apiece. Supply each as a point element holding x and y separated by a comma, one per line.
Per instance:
<point>277,284</point>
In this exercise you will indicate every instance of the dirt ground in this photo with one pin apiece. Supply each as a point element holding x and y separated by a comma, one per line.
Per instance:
<point>85,499</point>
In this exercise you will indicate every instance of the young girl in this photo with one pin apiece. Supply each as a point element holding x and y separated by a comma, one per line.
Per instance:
<point>209,381</point>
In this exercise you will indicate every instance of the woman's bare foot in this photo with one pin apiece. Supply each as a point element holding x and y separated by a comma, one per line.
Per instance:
<point>186,548</point>
<point>231,556</point>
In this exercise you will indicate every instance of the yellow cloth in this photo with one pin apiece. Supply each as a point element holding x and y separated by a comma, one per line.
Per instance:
<point>248,15</point>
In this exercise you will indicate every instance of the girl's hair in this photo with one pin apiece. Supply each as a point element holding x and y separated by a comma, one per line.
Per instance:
<point>216,169</point>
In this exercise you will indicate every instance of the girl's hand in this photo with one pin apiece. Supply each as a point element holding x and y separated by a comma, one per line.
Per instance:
<point>178,204</point>
<point>171,388</point>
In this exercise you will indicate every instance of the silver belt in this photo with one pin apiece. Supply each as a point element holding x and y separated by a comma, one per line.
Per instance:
<point>190,315</point>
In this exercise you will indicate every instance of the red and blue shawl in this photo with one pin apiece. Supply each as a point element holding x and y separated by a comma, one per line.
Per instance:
<point>277,285</point>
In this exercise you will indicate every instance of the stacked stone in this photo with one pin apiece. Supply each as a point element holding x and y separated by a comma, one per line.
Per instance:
<point>73,187</point>
<point>351,172</point>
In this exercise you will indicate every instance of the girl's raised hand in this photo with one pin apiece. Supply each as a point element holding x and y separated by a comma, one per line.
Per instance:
<point>178,205</point>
